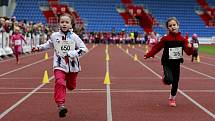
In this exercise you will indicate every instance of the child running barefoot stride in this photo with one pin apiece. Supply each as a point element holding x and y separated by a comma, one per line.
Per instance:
<point>174,44</point>
<point>68,48</point>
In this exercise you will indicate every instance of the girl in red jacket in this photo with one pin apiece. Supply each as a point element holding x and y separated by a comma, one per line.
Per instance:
<point>174,44</point>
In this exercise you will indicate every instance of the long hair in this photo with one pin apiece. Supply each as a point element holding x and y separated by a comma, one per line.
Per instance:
<point>71,18</point>
<point>172,18</point>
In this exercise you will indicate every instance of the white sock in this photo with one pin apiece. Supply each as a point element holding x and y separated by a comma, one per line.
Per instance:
<point>172,97</point>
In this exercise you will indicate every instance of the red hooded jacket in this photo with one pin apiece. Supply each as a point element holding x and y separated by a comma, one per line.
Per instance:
<point>171,40</point>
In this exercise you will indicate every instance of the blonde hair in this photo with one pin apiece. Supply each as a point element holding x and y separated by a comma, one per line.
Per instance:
<point>16,28</point>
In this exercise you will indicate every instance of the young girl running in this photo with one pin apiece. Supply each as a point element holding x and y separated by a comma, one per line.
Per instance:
<point>195,44</point>
<point>68,48</point>
<point>16,43</point>
<point>174,44</point>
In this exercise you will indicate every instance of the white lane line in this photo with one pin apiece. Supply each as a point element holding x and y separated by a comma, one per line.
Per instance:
<point>29,65</point>
<point>104,91</point>
<point>22,100</point>
<point>121,90</point>
<point>109,107</point>
<point>99,78</point>
<point>24,56</point>
<point>180,91</point>
<point>197,104</point>
<point>211,58</point>
<point>19,78</point>
<point>23,67</point>
<point>209,64</point>
<point>108,93</point>
<point>211,77</point>
<point>206,63</point>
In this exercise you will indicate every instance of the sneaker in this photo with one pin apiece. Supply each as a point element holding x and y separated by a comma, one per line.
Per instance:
<point>62,111</point>
<point>172,103</point>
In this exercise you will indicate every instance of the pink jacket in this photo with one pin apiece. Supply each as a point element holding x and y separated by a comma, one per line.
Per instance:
<point>17,39</point>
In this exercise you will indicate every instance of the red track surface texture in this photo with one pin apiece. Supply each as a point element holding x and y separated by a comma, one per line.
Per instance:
<point>136,91</point>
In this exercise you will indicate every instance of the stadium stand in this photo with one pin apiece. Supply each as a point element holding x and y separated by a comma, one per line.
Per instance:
<point>184,10</point>
<point>103,16</point>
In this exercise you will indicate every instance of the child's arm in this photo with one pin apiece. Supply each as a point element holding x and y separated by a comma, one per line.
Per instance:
<point>23,39</point>
<point>80,50</point>
<point>44,46</point>
<point>155,49</point>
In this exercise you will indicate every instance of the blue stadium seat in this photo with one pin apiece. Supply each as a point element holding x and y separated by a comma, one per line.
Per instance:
<point>102,15</point>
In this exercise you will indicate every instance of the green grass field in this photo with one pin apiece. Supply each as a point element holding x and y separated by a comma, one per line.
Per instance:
<point>208,49</point>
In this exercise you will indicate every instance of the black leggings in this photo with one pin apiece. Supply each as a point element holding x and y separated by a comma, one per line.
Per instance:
<point>195,54</point>
<point>171,76</point>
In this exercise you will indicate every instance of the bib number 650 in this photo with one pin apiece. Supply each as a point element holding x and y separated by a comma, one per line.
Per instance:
<point>65,48</point>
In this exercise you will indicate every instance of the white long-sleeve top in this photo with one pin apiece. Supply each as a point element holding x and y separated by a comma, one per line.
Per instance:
<point>64,45</point>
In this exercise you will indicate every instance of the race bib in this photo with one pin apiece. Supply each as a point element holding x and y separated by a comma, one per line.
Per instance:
<point>195,45</point>
<point>175,53</point>
<point>62,47</point>
<point>18,42</point>
<point>152,41</point>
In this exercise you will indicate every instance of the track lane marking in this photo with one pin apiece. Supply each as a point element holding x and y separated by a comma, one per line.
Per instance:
<point>210,77</point>
<point>44,91</point>
<point>114,78</point>
<point>180,91</point>
<point>107,83</point>
<point>25,56</point>
<point>22,100</point>
<point>27,96</point>
<point>23,67</point>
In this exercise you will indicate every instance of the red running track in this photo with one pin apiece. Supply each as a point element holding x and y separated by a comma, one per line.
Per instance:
<point>137,94</point>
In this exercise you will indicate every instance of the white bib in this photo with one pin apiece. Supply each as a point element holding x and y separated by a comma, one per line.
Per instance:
<point>175,53</point>
<point>63,46</point>
<point>195,45</point>
<point>18,42</point>
<point>152,41</point>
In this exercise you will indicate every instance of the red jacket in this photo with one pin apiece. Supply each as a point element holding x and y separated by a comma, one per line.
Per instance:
<point>175,40</point>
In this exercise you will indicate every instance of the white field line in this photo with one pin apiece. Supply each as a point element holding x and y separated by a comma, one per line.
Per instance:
<point>24,98</point>
<point>209,64</point>
<point>210,77</point>
<point>23,67</point>
<point>104,91</point>
<point>24,56</point>
<point>180,91</point>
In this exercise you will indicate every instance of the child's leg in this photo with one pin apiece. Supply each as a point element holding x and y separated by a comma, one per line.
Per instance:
<point>195,54</point>
<point>16,52</point>
<point>71,80</point>
<point>17,57</point>
<point>60,87</point>
<point>192,58</point>
<point>176,74</point>
<point>168,77</point>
